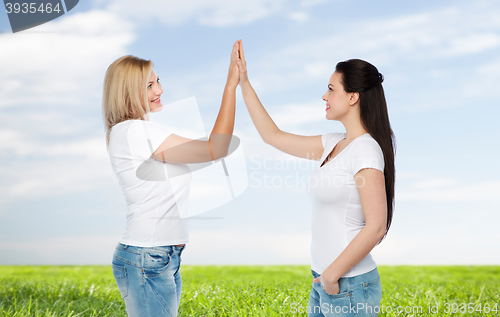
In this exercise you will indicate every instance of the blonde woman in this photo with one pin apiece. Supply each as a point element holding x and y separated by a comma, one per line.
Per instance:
<point>352,191</point>
<point>147,258</point>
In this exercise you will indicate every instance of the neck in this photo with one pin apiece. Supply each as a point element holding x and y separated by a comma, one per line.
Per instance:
<point>353,127</point>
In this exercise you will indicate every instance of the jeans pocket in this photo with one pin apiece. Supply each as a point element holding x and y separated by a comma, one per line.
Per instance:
<point>339,295</point>
<point>120,274</point>
<point>334,304</point>
<point>373,295</point>
<point>156,262</point>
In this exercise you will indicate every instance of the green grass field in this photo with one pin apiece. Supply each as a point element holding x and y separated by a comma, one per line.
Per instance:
<point>246,290</point>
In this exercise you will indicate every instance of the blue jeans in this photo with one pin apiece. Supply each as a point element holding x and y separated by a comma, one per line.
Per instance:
<point>148,279</point>
<point>359,295</point>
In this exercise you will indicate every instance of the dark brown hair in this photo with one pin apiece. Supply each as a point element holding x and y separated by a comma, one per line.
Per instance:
<point>362,77</point>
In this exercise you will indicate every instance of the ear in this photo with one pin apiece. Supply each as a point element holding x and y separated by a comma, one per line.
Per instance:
<point>353,98</point>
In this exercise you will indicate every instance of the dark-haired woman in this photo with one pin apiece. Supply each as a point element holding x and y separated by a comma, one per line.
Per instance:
<point>352,191</point>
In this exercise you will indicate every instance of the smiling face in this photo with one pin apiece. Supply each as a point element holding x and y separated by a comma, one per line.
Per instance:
<point>338,101</point>
<point>154,93</point>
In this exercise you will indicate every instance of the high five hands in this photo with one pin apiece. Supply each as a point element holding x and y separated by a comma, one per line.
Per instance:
<point>237,67</point>
<point>266,128</point>
<point>242,64</point>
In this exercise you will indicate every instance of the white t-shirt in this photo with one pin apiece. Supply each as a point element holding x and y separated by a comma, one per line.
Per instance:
<point>337,216</point>
<point>153,217</point>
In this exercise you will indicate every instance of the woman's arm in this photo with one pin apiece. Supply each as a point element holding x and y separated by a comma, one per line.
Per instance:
<point>309,147</point>
<point>177,149</point>
<point>371,186</point>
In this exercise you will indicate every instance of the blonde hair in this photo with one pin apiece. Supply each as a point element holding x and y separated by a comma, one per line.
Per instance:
<point>125,91</point>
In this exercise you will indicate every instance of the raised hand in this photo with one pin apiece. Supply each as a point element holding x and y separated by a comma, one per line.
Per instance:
<point>242,64</point>
<point>233,76</point>
<point>308,147</point>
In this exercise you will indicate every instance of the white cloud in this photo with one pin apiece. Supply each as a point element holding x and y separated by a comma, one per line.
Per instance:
<point>299,16</point>
<point>490,82</point>
<point>293,115</point>
<point>58,64</point>
<point>45,157</point>
<point>456,246</point>
<point>64,64</point>
<point>30,180</point>
<point>435,183</point>
<point>388,43</point>
<point>484,191</point>
<point>408,175</point>
<point>218,13</point>
<point>490,68</point>
<point>472,43</point>
<point>11,141</point>
<point>20,144</point>
<point>60,250</point>
<point>311,3</point>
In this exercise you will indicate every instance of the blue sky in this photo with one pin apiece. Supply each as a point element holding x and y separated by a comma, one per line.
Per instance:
<point>60,202</point>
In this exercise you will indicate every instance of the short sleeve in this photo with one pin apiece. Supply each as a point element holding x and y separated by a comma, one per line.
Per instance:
<point>365,153</point>
<point>325,138</point>
<point>145,137</point>
<point>329,138</point>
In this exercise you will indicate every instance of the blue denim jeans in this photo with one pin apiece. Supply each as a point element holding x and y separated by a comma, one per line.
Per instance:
<point>359,295</point>
<point>148,279</point>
